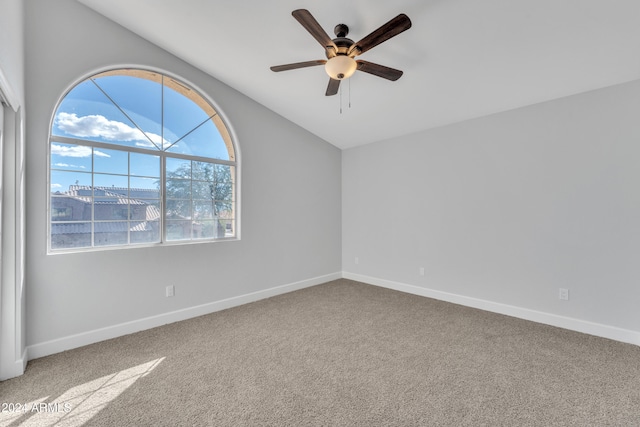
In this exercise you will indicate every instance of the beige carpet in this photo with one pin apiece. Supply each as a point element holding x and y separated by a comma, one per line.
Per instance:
<point>338,354</point>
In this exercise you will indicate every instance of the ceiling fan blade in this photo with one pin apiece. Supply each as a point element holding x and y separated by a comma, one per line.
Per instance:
<point>333,87</point>
<point>391,29</point>
<point>295,65</point>
<point>379,70</point>
<point>304,17</point>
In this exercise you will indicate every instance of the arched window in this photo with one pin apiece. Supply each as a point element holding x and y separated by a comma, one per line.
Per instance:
<point>138,157</point>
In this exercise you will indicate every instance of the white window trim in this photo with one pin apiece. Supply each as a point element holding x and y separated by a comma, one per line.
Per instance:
<point>163,242</point>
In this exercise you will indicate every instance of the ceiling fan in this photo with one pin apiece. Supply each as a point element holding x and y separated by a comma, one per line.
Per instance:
<point>341,51</point>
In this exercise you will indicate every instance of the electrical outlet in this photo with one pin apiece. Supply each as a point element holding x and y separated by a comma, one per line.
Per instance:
<point>357,260</point>
<point>563,294</point>
<point>421,271</point>
<point>170,291</point>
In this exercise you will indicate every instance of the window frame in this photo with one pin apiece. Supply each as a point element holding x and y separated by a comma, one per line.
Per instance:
<point>233,163</point>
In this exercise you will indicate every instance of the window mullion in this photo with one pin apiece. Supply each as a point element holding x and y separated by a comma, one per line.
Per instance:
<point>93,201</point>
<point>163,199</point>
<point>163,170</point>
<point>129,198</point>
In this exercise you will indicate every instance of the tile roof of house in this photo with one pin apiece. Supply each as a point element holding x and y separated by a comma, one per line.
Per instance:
<point>112,196</point>
<point>100,227</point>
<point>120,195</point>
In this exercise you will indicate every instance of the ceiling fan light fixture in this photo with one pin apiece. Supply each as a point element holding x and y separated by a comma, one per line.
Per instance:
<point>341,51</point>
<point>341,67</point>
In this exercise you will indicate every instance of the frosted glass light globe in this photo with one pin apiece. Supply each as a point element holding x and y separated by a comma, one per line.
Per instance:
<point>341,67</point>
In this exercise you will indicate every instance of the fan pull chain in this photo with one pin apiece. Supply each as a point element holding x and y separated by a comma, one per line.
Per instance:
<point>348,95</point>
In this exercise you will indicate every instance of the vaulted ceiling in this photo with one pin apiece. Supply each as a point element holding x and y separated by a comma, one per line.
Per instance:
<point>461,59</point>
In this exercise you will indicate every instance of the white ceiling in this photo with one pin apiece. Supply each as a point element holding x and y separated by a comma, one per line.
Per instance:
<point>461,58</point>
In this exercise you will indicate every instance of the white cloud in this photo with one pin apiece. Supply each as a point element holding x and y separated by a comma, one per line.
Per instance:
<point>98,126</point>
<point>156,141</point>
<point>56,186</point>
<point>75,151</point>
<point>146,144</point>
<point>66,165</point>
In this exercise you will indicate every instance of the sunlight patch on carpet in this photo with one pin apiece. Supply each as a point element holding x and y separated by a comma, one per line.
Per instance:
<point>79,404</point>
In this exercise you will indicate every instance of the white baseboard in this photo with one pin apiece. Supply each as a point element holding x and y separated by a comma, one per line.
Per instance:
<point>73,341</point>
<point>15,369</point>
<point>78,340</point>
<point>591,328</point>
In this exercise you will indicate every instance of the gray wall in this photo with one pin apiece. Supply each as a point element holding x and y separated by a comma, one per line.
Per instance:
<point>507,209</point>
<point>290,196</point>
<point>12,46</point>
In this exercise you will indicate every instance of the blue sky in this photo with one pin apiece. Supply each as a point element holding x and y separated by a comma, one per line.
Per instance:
<point>131,112</point>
